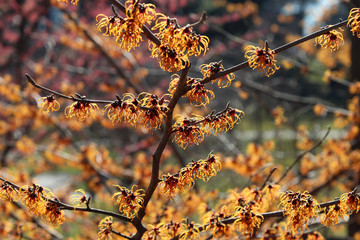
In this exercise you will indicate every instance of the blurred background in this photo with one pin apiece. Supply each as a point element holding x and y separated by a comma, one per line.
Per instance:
<point>60,47</point>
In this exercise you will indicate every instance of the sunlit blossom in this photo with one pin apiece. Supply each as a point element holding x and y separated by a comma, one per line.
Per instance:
<point>129,201</point>
<point>262,59</point>
<point>213,68</point>
<point>332,40</point>
<point>81,110</point>
<point>354,21</point>
<point>48,104</point>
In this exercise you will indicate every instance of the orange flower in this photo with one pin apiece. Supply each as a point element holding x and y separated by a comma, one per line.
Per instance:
<point>129,201</point>
<point>351,202</point>
<point>7,192</point>
<point>186,134</point>
<point>48,104</point>
<point>331,39</point>
<point>299,208</point>
<point>78,198</point>
<point>105,228</point>
<point>247,221</point>
<point>143,13</point>
<point>278,114</point>
<point>332,214</point>
<point>210,69</point>
<point>126,110</point>
<point>191,230</point>
<point>262,59</point>
<point>354,21</point>
<point>81,110</point>
<point>170,59</point>
<point>54,215</point>
<point>319,109</point>
<point>354,88</point>
<point>200,94</point>
<point>170,185</point>
<point>34,198</point>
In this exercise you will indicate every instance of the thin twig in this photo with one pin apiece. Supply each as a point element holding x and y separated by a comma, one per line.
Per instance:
<point>303,154</point>
<point>268,177</point>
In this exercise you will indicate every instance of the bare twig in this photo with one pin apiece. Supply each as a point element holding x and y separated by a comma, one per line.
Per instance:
<point>302,155</point>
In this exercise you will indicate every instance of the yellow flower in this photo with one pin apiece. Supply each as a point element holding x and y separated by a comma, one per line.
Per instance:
<point>81,110</point>
<point>299,208</point>
<point>54,215</point>
<point>247,221</point>
<point>170,185</point>
<point>143,13</point>
<point>351,202</point>
<point>7,192</point>
<point>34,198</point>
<point>331,39</point>
<point>262,59</point>
<point>123,110</point>
<point>191,230</point>
<point>48,104</point>
<point>200,94</point>
<point>354,21</point>
<point>78,198</point>
<point>185,133</point>
<point>129,201</point>
<point>210,69</point>
<point>105,228</point>
<point>332,214</point>
<point>170,59</point>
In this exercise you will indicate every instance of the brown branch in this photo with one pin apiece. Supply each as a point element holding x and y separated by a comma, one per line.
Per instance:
<point>202,20</point>
<point>277,50</point>
<point>303,154</point>
<point>268,177</point>
<point>158,152</point>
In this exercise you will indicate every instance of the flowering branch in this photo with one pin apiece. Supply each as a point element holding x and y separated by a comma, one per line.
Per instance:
<point>64,206</point>
<point>277,50</point>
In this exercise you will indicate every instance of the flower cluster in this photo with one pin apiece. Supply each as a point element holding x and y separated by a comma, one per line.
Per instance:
<point>105,228</point>
<point>262,59</point>
<point>213,222</point>
<point>199,92</point>
<point>210,69</point>
<point>129,201</point>
<point>332,214</point>
<point>127,31</point>
<point>204,169</point>
<point>191,230</point>
<point>53,214</point>
<point>123,110</point>
<point>186,133</point>
<point>81,110</point>
<point>189,131</point>
<point>354,21</point>
<point>48,104</point>
<point>247,164</point>
<point>153,110</point>
<point>299,208</point>
<point>247,220</point>
<point>177,44</point>
<point>331,39</point>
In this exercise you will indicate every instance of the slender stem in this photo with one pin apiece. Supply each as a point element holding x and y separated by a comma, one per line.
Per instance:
<point>303,154</point>
<point>277,50</point>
